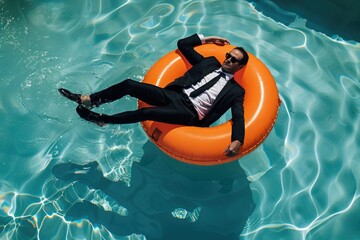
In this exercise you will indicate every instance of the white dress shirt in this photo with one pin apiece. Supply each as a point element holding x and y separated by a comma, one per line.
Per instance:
<point>203,102</point>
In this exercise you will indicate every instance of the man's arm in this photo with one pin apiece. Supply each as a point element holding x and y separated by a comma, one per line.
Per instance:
<point>238,127</point>
<point>186,46</point>
<point>216,40</point>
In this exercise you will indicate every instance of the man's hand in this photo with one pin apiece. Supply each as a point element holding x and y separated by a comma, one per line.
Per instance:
<point>217,40</point>
<point>233,148</point>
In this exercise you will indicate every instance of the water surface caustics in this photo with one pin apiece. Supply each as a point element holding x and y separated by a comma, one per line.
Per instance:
<point>304,178</point>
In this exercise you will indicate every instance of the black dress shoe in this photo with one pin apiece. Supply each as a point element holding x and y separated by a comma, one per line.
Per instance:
<point>69,95</point>
<point>90,116</point>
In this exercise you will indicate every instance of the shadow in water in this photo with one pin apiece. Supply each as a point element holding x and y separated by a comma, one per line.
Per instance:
<point>167,199</point>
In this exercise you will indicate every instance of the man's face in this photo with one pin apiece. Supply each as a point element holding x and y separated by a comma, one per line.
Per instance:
<point>231,63</point>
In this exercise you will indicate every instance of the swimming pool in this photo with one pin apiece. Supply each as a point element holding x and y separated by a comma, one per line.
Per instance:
<point>303,179</point>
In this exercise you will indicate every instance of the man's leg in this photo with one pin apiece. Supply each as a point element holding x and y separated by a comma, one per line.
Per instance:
<point>177,110</point>
<point>166,114</point>
<point>148,93</point>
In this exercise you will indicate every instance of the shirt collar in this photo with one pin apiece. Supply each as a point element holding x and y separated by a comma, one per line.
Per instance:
<point>228,76</point>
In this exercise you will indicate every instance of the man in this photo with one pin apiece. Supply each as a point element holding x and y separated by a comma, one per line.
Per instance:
<point>198,98</point>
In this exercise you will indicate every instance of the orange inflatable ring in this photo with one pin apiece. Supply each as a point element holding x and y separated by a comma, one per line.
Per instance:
<point>206,145</point>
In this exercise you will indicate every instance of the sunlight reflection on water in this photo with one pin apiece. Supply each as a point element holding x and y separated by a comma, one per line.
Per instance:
<point>304,177</point>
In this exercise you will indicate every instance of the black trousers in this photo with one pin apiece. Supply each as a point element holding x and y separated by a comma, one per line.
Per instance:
<point>167,106</point>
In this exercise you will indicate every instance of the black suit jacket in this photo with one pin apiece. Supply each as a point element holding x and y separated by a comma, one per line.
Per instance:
<point>231,96</point>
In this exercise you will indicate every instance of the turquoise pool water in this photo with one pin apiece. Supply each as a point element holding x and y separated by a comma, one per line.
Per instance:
<point>303,179</point>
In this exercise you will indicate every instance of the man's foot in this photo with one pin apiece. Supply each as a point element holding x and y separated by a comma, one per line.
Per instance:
<point>69,95</point>
<point>90,173</point>
<point>90,116</point>
<point>78,98</point>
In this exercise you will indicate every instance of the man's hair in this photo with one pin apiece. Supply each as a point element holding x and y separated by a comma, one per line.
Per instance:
<point>245,58</point>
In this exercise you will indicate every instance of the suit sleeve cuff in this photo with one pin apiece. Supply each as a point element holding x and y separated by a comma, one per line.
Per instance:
<point>202,38</point>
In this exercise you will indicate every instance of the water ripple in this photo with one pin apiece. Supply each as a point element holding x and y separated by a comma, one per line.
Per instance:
<point>305,179</point>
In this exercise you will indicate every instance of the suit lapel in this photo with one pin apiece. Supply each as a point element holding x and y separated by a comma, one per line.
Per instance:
<point>204,68</point>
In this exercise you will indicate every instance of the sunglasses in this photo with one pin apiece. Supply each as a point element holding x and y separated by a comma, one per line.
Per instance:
<point>232,59</point>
